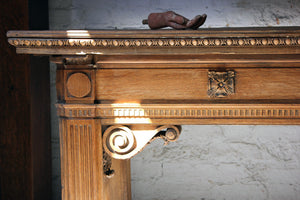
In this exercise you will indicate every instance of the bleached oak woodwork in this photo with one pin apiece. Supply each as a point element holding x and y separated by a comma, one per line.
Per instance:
<point>118,90</point>
<point>121,142</point>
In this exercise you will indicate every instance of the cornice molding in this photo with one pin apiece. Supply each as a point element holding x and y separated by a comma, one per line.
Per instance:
<point>167,111</point>
<point>157,43</point>
<point>146,41</point>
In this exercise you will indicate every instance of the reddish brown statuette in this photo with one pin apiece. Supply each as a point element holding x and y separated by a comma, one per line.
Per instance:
<point>174,20</point>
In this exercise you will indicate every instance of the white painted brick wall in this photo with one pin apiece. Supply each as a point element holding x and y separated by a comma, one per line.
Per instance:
<point>207,162</point>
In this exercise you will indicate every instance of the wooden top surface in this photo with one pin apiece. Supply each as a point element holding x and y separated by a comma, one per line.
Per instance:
<point>250,40</point>
<point>161,33</point>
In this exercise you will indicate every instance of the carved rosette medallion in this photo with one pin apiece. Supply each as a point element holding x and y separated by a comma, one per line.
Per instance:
<point>221,84</point>
<point>79,85</point>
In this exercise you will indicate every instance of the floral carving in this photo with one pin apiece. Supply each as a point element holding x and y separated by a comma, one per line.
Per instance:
<point>220,84</point>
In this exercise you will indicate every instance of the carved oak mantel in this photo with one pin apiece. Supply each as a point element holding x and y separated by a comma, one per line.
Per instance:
<point>118,90</point>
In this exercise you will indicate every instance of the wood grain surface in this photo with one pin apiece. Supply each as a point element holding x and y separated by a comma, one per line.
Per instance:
<point>192,84</point>
<point>144,78</point>
<point>25,160</point>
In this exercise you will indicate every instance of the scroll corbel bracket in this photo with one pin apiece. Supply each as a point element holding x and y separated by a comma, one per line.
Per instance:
<point>121,142</point>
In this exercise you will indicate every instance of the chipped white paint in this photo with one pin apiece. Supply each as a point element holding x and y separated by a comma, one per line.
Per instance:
<point>207,162</point>
<point>221,162</point>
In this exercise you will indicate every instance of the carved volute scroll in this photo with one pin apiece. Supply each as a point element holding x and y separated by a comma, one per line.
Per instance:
<point>121,142</point>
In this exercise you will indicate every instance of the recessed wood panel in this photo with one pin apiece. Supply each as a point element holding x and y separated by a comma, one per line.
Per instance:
<point>81,159</point>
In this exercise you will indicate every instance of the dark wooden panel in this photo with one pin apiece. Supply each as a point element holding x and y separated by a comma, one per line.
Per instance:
<point>24,125</point>
<point>40,127</point>
<point>15,144</point>
<point>40,108</point>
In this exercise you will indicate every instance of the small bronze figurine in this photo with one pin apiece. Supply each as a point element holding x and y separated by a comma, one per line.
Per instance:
<point>174,20</point>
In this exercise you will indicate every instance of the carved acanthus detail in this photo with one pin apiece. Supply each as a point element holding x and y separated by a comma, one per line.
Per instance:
<point>121,142</point>
<point>107,165</point>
